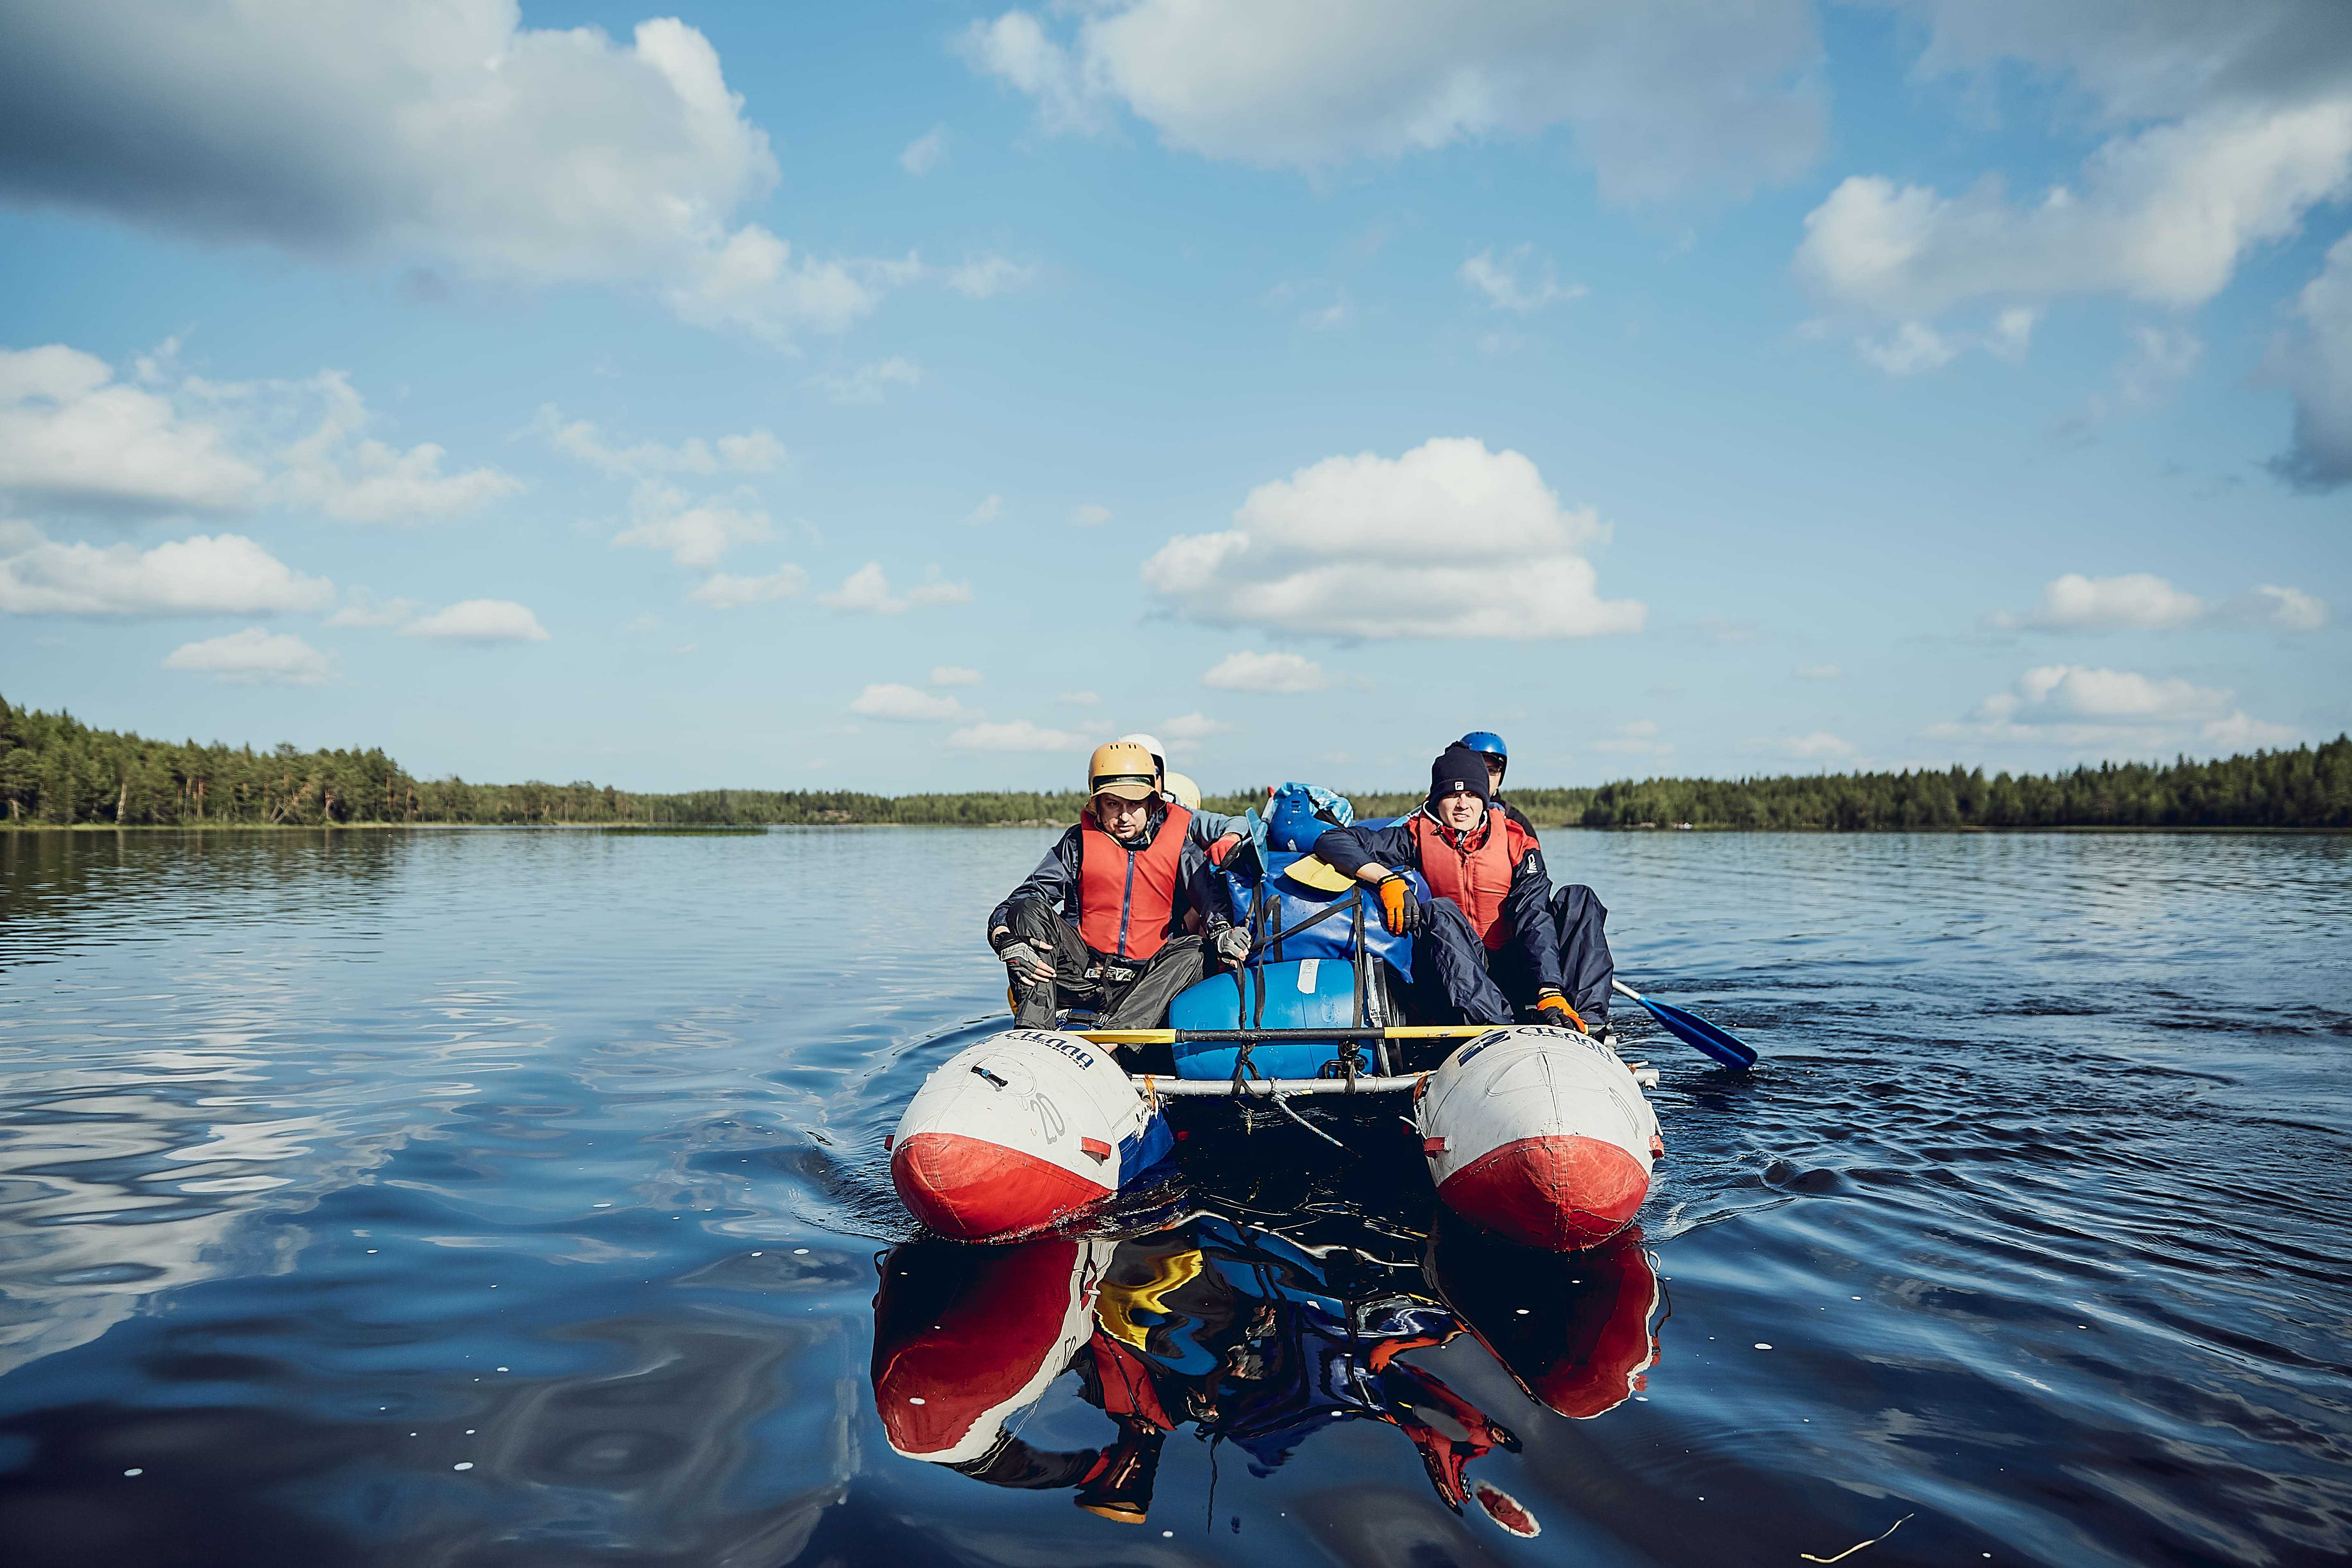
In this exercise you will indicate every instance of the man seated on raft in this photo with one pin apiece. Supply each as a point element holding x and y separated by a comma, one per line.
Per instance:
<point>1586,968</point>
<point>1486,940</point>
<point>1102,918</point>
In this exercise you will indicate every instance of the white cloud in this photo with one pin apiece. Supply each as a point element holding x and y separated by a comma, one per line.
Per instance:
<point>70,433</point>
<point>1080,698</point>
<point>1660,97</point>
<point>1500,282</point>
<point>924,152</point>
<point>723,591</point>
<point>985,277</point>
<point>446,134</point>
<point>1638,738</point>
<point>695,533</point>
<point>906,703</point>
<point>1911,348</point>
<point>640,625</point>
<point>481,621</point>
<point>870,383</point>
<point>1183,733</point>
<point>1819,744</point>
<point>363,608</point>
<point>207,574</point>
<point>2139,601</point>
<point>357,478</point>
<point>867,591</point>
<point>1448,540</point>
<point>986,512</point>
<point>1270,672</point>
<point>1340,313</point>
<point>1090,515</point>
<point>755,451</point>
<point>254,655</point>
<point>953,674</point>
<point>2074,705</point>
<point>1019,735</point>
<point>2163,216</point>
<point>2315,361</point>
<point>1818,672</point>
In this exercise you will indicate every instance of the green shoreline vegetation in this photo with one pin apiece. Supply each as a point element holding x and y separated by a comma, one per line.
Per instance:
<point>57,771</point>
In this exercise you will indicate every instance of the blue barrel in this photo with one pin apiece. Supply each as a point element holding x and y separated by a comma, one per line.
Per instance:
<point>1300,994</point>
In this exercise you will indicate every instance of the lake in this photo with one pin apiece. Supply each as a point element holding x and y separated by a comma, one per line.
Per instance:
<point>491,1198</point>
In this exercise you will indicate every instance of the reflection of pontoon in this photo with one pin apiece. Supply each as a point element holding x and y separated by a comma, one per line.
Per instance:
<point>1539,1132</point>
<point>1255,1337</point>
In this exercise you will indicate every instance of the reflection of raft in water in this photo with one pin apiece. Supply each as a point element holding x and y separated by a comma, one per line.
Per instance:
<point>1257,1337</point>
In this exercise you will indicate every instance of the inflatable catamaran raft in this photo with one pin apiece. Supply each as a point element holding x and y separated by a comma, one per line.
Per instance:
<point>1537,1132</point>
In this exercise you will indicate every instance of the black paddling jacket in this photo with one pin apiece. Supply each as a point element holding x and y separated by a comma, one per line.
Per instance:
<point>1526,908</point>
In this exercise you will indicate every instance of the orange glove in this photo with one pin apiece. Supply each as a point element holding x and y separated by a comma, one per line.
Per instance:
<point>1399,910</point>
<point>1555,1010</point>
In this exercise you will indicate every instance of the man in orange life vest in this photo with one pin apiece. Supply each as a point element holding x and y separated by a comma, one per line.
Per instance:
<point>1487,939</point>
<point>1124,879</point>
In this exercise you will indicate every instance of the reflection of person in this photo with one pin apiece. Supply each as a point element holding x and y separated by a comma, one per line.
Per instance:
<point>1102,919</point>
<point>1586,968</point>
<point>1489,932</point>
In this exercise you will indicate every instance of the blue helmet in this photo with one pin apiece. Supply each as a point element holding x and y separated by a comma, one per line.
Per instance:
<point>1489,743</point>
<point>1299,815</point>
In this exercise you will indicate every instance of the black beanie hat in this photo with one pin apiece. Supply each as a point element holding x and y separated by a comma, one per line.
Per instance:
<point>1457,766</point>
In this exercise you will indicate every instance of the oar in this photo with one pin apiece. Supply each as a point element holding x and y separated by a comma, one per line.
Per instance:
<point>1694,1030</point>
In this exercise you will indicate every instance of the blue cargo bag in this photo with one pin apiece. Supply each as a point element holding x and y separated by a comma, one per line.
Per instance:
<point>1299,995</point>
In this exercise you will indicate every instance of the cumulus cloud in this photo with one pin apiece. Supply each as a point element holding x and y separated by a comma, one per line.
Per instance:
<point>953,674</point>
<point>907,704</point>
<point>1090,515</point>
<point>1448,540</point>
<point>478,621</point>
<point>870,383</point>
<point>866,592</point>
<point>1501,283</point>
<point>2072,705</point>
<point>364,609</point>
<point>442,132</point>
<point>1080,698</point>
<point>1183,733</point>
<point>696,534</point>
<point>2142,602</point>
<point>2227,126</point>
<point>207,574</point>
<point>1820,745</point>
<point>1636,738</point>
<point>1659,97</point>
<point>1269,672</point>
<point>254,655</point>
<point>724,590</point>
<point>2315,361</point>
<point>754,451</point>
<point>985,277</point>
<point>1018,735</point>
<point>72,433</point>
<point>923,153</point>
<point>986,512</point>
<point>1912,348</point>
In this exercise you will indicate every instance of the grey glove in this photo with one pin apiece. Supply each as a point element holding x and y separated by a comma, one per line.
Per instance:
<point>1232,943</point>
<point>1023,962</point>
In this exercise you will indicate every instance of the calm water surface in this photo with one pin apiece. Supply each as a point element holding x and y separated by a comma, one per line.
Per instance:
<point>512,1198</point>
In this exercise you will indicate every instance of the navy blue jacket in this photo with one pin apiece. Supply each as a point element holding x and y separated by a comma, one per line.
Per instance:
<point>1528,906</point>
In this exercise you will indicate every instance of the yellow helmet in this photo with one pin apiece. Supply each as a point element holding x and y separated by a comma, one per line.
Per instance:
<point>1186,793</point>
<point>1121,768</point>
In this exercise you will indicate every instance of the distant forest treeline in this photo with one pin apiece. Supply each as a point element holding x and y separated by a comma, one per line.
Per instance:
<point>57,771</point>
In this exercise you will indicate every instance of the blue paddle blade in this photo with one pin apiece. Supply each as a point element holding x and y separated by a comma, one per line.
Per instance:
<point>1694,1030</point>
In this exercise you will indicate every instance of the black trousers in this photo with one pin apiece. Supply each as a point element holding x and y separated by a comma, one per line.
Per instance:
<point>1457,980</point>
<point>1126,993</point>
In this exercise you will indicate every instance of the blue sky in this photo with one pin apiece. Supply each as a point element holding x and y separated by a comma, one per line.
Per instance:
<point>905,397</point>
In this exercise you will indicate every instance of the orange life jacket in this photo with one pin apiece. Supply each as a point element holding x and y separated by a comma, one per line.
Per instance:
<point>1127,898</point>
<point>1475,873</point>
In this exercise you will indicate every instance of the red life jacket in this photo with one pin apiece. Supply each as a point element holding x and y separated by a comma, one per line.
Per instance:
<point>1474,871</point>
<point>1127,898</point>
